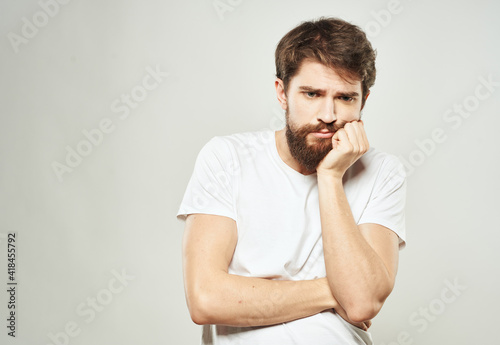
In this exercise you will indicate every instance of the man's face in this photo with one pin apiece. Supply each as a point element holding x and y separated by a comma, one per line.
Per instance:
<point>318,103</point>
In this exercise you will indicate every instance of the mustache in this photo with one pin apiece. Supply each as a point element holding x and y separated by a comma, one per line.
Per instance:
<point>330,127</point>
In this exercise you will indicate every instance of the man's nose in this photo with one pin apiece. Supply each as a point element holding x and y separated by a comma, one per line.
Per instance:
<point>327,112</point>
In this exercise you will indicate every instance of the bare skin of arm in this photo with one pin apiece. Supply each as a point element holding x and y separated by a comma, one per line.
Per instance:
<point>361,261</point>
<point>216,297</point>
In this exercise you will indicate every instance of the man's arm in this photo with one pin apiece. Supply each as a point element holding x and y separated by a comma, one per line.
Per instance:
<point>361,262</point>
<point>216,297</point>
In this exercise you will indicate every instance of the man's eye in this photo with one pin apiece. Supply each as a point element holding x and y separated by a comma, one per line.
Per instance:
<point>311,94</point>
<point>347,99</point>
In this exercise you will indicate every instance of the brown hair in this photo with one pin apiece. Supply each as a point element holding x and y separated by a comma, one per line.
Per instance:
<point>332,42</point>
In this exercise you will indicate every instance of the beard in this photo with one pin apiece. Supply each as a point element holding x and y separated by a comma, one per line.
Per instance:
<point>308,155</point>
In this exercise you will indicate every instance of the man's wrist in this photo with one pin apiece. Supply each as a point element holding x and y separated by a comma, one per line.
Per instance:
<point>324,286</point>
<point>329,176</point>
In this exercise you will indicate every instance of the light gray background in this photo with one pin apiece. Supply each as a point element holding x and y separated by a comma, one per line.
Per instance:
<point>116,210</point>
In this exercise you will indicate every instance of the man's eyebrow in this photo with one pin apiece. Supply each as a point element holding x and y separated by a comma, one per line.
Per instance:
<point>307,88</point>
<point>310,89</point>
<point>349,94</point>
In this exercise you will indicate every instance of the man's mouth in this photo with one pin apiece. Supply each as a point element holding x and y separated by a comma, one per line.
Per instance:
<point>323,134</point>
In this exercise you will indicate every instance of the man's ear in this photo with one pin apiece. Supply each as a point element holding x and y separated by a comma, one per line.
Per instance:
<point>364,101</point>
<point>280,93</point>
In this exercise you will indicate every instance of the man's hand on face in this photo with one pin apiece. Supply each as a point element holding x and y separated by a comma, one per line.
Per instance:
<point>349,144</point>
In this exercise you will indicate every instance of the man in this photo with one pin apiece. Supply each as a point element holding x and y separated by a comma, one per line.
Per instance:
<point>293,236</point>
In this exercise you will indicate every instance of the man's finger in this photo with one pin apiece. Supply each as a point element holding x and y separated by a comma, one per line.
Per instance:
<point>343,138</point>
<point>335,139</point>
<point>361,136</point>
<point>353,136</point>
<point>360,139</point>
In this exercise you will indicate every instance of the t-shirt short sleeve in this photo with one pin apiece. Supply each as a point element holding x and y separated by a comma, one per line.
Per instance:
<point>210,188</point>
<point>387,202</point>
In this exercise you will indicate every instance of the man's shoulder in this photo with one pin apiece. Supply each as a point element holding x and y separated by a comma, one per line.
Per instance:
<point>246,137</point>
<point>241,140</point>
<point>375,155</point>
<point>376,160</point>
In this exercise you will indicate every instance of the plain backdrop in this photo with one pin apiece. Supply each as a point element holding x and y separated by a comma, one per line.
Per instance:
<point>136,88</point>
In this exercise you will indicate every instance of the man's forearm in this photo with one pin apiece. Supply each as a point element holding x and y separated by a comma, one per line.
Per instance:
<point>244,301</point>
<point>358,278</point>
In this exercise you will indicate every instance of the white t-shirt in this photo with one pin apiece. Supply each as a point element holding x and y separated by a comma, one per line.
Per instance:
<point>276,210</point>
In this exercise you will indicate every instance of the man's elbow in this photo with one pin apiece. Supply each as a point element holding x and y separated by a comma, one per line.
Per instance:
<point>367,308</point>
<point>364,312</point>
<point>198,317</point>
<point>200,310</point>
<point>361,311</point>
